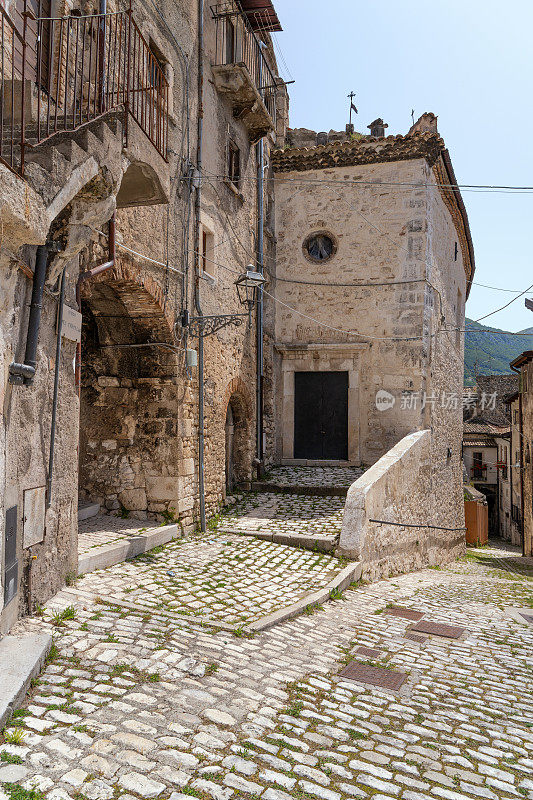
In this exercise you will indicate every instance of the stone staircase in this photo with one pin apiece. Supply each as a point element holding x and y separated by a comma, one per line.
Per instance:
<point>49,164</point>
<point>300,506</point>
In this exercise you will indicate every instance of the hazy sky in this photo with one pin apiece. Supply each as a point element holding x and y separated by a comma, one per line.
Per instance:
<point>468,61</point>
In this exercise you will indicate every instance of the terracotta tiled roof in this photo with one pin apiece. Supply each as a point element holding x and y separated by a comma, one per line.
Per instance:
<point>484,428</point>
<point>366,150</point>
<point>486,442</point>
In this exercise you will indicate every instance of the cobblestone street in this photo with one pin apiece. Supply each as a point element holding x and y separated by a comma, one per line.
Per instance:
<point>149,703</point>
<point>276,513</point>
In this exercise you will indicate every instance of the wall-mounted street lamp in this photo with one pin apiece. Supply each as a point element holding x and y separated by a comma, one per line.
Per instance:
<point>248,284</point>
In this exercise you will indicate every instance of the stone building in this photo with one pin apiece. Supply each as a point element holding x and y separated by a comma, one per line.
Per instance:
<point>513,402</point>
<point>487,449</point>
<point>522,416</point>
<point>147,181</point>
<point>373,264</point>
<point>131,169</point>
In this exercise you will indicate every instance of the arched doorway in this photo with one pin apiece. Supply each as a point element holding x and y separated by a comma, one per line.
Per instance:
<point>238,443</point>
<point>128,451</point>
<point>230,470</point>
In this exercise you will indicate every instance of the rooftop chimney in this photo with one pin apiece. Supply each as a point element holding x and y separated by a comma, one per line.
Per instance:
<point>377,128</point>
<point>321,138</point>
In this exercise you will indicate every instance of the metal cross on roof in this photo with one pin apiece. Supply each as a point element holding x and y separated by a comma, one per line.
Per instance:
<point>352,106</point>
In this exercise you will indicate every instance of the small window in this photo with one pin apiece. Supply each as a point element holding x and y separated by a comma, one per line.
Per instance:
<point>156,65</point>
<point>319,247</point>
<point>207,252</point>
<point>234,163</point>
<point>456,252</point>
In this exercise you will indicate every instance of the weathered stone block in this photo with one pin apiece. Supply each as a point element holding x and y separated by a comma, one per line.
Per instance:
<point>162,488</point>
<point>133,499</point>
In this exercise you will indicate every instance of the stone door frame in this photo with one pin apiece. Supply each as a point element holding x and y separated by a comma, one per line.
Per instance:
<point>319,357</point>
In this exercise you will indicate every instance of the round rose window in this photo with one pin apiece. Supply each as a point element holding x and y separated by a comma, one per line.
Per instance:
<point>319,247</point>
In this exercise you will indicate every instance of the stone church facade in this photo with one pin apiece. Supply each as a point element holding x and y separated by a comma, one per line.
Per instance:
<point>133,200</point>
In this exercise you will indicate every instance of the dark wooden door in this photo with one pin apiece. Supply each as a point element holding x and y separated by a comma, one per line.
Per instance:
<point>321,415</point>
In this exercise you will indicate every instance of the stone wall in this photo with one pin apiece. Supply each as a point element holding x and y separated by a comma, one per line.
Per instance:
<point>397,488</point>
<point>527,466</point>
<point>138,444</point>
<point>491,393</point>
<point>394,280</point>
<point>44,559</point>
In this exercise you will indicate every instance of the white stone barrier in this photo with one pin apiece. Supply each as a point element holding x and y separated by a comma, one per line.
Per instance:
<point>397,489</point>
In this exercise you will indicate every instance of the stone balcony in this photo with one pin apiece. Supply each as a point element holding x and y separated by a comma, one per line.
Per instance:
<point>237,85</point>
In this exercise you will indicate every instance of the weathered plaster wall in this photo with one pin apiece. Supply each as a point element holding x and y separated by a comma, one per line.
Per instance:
<point>364,255</point>
<point>397,488</point>
<point>527,412</point>
<point>504,490</point>
<point>27,425</point>
<point>516,499</point>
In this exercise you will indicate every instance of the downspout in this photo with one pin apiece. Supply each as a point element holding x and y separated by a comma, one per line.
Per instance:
<point>521,434</point>
<point>85,276</point>
<point>259,321</point>
<point>197,206</point>
<point>56,389</point>
<point>25,372</point>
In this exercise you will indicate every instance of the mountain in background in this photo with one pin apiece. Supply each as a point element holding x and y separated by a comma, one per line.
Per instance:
<point>490,353</point>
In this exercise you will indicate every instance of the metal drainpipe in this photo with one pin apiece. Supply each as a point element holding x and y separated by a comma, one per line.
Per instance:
<point>259,321</point>
<point>85,276</point>
<point>197,206</point>
<point>25,373</point>
<point>56,388</point>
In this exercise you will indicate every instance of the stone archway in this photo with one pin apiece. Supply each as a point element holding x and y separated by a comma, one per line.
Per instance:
<point>129,402</point>
<point>238,435</point>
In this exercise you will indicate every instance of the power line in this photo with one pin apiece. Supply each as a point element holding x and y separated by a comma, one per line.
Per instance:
<point>426,186</point>
<point>505,306</point>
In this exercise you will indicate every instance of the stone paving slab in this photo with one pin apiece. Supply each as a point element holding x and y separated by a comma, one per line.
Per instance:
<point>300,519</point>
<point>189,712</point>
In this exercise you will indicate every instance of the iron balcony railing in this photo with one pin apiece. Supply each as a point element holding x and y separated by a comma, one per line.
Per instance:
<point>11,85</point>
<point>76,69</point>
<point>237,43</point>
<point>479,472</point>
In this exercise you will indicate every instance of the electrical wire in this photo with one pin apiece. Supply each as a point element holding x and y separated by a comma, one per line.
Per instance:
<point>521,294</point>
<point>404,185</point>
<point>317,283</point>
<point>351,333</point>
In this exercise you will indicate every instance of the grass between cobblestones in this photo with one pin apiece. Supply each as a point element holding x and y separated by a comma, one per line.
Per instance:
<point>180,711</point>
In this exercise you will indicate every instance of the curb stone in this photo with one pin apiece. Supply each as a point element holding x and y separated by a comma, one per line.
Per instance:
<point>22,657</point>
<point>340,582</point>
<point>126,548</point>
